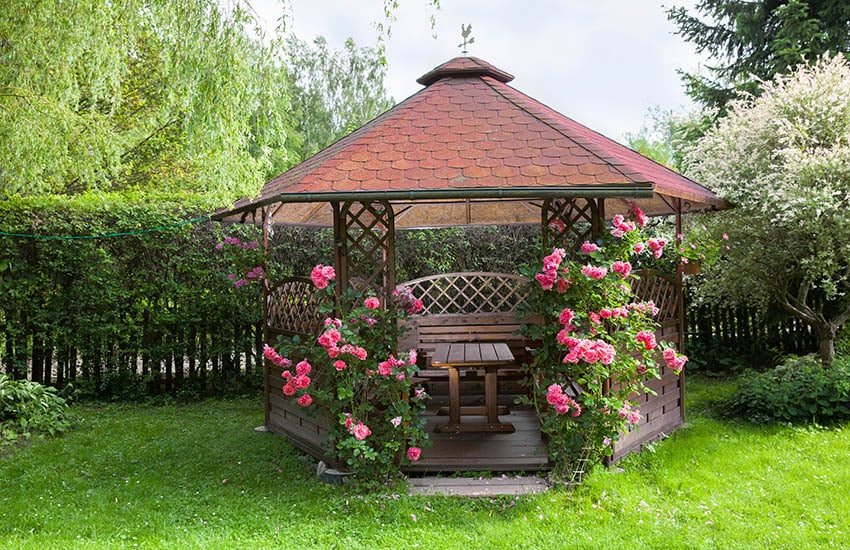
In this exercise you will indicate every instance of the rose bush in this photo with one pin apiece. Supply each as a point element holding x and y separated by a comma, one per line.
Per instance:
<point>246,260</point>
<point>598,347</point>
<point>353,375</point>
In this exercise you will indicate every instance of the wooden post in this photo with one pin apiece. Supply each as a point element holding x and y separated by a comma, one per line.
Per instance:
<point>681,308</point>
<point>266,381</point>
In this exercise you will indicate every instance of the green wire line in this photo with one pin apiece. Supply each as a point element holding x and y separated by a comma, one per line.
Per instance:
<point>104,235</point>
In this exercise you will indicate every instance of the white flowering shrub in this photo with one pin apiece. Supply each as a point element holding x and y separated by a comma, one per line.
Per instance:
<point>783,160</point>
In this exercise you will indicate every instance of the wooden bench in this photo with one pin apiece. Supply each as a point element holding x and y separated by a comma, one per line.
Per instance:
<point>467,307</point>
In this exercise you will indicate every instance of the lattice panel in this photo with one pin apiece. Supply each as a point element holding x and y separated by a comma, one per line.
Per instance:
<point>568,223</point>
<point>661,289</point>
<point>368,244</point>
<point>469,293</point>
<point>292,306</point>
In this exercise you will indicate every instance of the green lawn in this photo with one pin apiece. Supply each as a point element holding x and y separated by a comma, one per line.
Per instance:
<point>198,475</point>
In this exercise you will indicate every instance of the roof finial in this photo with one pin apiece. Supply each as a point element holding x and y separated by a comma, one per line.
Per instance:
<point>467,40</point>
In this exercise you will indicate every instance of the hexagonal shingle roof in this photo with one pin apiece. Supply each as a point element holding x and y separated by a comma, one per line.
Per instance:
<point>469,148</point>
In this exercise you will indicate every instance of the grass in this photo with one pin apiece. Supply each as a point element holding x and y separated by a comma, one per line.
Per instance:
<point>198,475</point>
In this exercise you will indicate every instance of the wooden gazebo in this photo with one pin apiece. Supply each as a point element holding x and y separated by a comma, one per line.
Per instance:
<point>467,149</point>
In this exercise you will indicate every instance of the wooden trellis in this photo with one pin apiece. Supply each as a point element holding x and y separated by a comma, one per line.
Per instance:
<point>365,245</point>
<point>662,290</point>
<point>472,292</point>
<point>569,222</point>
<point>292,307</point>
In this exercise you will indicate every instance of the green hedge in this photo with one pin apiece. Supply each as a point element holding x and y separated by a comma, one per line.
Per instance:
<point>122,298</point>
<point>123,316</point>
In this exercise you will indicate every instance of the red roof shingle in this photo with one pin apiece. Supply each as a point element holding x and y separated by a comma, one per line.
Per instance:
<point>467,129</point>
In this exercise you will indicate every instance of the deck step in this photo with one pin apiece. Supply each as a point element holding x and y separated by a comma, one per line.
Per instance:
<point>477,486</point>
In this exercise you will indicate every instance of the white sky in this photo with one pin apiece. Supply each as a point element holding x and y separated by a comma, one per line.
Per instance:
<point>603,63</point>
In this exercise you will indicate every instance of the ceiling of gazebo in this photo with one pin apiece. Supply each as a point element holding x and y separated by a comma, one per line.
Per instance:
<point>469,149</point>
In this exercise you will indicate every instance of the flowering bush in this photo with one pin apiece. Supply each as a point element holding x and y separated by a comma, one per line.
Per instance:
<point>246,260</point>
<point>699,245</point>
<point>353,374</point>
<point>599,349</point>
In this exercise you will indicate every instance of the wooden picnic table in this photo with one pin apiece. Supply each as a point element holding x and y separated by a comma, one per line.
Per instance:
<point>489,356</point>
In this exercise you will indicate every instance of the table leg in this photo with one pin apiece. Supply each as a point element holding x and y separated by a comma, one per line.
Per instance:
<point>454,396</point>
<point>491,395</point>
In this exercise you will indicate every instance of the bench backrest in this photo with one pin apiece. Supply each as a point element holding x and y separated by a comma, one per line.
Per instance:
<point>467,307</point>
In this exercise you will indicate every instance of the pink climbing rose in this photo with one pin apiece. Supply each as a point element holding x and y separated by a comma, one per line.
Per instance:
<point>305,400</point>
<point>647,337</point>
<point>623,268</point>
<point>588,247</point>
<point>413,453</point>
<point>657,246</point>
<point>675,361</point>
<point>372,303</point>
<point>360,431</point>
<point>566,316</point>
<point>594,272</point>
<point>322,275</point>
<point>562,402</point>
<point>303,368</point>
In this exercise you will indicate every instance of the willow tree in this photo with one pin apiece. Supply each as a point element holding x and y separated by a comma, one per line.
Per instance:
<point>139,94</point>
<point>783,160</point>
<point>333,91</point>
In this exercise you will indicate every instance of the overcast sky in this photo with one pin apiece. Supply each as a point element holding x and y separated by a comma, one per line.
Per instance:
<point>603,63</point>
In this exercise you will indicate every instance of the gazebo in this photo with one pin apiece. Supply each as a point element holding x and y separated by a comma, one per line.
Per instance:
<point>467,149</point>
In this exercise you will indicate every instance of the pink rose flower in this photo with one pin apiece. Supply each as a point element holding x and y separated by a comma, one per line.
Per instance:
<point>674,361</point>
<point>372,303</point>
<point>302,382</point>
<point>594,272</point>
<point>303,368</point>
<point>360,431</point>
<point>588,247</point>
<point>647,337</point>
<point>339,365</point>
<point>413,453</point>
<point>322,275</point>
<point>623,268</point>
<point>562,285</point>
<point>546,280</point>
<point>642,219</point>
<point>305,400</point>
<point>289,389</point>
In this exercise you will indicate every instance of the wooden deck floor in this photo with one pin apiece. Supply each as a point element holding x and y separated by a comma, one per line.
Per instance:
<point>521,451</point>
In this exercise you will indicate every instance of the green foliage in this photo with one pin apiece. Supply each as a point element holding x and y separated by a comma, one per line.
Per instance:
<point>749,42</point>
<point>782,160</point>
<point>122,307</point>
<point>597,349</point>
<point>800,390</point>
<point>333,93</point>
<point>505,249</point>
<point>28,408</point>
<point>357,379</point>
<point>655,140</point>
<point>176,96</point>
